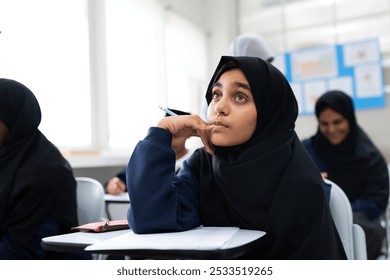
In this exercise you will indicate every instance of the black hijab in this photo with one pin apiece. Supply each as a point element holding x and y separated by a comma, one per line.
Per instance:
<point>269,183</point>
<point>36,182</point>
<point>355,164</point>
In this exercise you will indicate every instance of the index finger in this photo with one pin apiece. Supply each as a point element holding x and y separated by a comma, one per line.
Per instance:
<point>204,134</point>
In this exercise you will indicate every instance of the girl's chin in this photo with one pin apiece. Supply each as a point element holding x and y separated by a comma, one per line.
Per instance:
<point>221,142</point>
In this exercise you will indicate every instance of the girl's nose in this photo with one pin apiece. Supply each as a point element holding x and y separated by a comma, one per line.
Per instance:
<point>221,108</point>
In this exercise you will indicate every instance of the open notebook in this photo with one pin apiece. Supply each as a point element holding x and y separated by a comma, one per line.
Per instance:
<point>201,238</point>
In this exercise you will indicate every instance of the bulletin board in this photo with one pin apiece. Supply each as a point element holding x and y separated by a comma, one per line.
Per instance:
<point>355,68</point>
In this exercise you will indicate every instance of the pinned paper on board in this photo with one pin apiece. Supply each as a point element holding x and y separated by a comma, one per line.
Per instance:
<point>354,67</point>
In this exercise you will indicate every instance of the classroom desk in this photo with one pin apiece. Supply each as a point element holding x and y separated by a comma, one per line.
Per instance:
<point>77,241</point>
<point>199,243</point>
<point>117,206</point>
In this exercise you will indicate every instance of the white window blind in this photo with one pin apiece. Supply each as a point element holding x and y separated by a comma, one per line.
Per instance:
<point>135,69</point>
<point>186,63</point>
<point>44,45</point>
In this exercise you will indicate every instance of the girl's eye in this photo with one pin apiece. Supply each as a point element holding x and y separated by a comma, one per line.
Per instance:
<point>215,95</point>
<point>240,98</point>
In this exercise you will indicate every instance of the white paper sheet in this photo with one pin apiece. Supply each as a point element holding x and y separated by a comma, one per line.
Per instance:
<point>202,238</point>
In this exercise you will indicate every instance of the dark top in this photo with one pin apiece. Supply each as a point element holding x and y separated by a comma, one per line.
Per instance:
<point>356,164</point>
<point>268,183</point>
<point>37,185</point>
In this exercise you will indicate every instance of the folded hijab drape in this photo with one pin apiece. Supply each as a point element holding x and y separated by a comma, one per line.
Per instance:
<point>36,182</point>
<point>270,182</point>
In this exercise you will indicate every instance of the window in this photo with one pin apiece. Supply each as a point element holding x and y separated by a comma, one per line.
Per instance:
<point>100,69</point>
<point>149,64</point>
<point>186,64</point>
<point>49,53</point>
<point>292,24</point>
<point>135,69</point>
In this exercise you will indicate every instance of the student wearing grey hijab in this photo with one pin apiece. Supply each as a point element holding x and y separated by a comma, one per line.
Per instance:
<point>251,44</point>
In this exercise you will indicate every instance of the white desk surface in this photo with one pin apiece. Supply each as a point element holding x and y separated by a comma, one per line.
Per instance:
<point>77,241</point>
<point>198,243</point>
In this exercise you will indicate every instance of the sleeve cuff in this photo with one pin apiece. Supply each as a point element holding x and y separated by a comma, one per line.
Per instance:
<point>159,135</point>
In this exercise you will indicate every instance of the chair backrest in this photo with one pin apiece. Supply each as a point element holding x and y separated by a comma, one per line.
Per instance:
<point>90,200</point>
<point>386,220</point>
<point>352,235</point>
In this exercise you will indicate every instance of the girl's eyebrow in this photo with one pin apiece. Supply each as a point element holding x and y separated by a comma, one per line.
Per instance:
<point>236,84</point>
<point>245,86</point>
<point>217,84</point>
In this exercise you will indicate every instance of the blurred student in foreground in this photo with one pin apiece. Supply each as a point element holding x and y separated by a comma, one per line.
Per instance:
<point>37,187</point>
<point>345,155</point>
<point>253,172</point>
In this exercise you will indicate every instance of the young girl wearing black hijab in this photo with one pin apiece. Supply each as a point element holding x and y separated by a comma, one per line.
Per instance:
<point>37,187</point>
<point>345,155</point>
<point>252,173</point>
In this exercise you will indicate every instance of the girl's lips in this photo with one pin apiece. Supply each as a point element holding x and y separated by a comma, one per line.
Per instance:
<point>219,123</point>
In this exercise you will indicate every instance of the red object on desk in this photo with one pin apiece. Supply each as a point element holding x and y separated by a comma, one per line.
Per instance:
<point>103,226</point>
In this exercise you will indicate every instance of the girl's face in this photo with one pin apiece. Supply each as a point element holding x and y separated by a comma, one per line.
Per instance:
<point>333,126</point>
<point>3,132</point>
<point>232,110</point>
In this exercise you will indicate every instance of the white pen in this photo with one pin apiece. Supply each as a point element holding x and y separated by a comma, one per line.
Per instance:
<point>166,110</point>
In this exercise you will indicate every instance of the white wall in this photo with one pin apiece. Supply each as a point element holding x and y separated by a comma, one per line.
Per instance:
<point>193,10</point>
<point>222,28</point>
<point>218,18</point>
